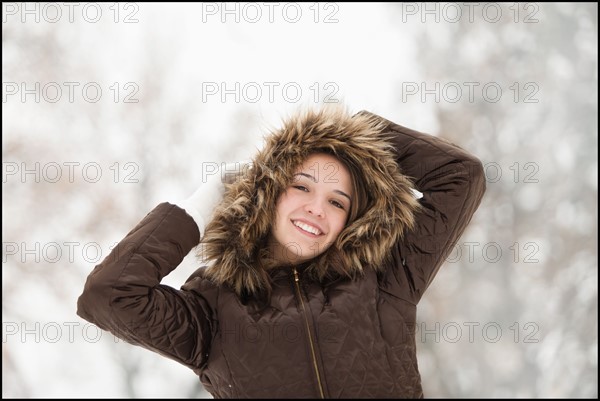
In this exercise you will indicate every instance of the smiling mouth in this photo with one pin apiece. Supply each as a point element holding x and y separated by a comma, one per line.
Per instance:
<point>307,229</point>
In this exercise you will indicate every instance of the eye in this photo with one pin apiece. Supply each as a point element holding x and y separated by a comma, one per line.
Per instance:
<point>337,204</point>
<point>301,188</point>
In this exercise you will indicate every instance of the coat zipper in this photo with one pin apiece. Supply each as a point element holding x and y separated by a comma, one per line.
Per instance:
<point>310,337</point>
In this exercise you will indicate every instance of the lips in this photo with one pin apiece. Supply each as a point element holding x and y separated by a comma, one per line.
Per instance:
<point>307,228</point>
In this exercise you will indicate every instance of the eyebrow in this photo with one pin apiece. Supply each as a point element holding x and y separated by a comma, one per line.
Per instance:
<point>313,179</point>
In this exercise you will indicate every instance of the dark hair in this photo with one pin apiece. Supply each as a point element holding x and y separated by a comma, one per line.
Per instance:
<point>360,197</point>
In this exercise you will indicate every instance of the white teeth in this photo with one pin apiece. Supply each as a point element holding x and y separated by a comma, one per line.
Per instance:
<point>307,228</point>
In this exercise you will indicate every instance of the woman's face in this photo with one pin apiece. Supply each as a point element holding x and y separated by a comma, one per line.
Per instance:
<point>313,210</point>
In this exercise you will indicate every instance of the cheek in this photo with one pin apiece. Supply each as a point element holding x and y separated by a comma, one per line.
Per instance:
<point>282,209</point>
<point>337,225</point>
<point>286,204</point>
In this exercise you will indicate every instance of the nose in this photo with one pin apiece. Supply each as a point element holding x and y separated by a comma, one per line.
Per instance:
<point>315,208</point>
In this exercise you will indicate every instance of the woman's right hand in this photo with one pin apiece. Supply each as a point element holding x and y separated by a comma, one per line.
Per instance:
<point>202,203</point>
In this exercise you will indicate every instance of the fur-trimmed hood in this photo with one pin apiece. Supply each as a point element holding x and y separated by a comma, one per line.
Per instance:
<point>235,239</point>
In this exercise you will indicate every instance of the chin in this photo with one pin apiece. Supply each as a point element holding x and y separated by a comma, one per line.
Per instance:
<point>303,254</point>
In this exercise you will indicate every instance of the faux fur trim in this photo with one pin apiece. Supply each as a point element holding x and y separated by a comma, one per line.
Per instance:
<point>235,238</point>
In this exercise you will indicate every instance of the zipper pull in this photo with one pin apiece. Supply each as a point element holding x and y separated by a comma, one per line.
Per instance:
<point>296,279</point>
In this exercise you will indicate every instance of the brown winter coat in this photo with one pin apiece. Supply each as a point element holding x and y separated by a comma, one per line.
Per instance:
<point>316,335</point>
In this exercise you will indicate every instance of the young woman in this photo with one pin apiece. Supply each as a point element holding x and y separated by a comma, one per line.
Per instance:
<point>317,258</point>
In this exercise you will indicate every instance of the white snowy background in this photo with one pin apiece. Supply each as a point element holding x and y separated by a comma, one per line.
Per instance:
<point>111,108</point>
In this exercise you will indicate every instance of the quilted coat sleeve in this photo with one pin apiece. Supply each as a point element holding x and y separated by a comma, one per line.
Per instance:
<point>123,293</point>
<point>452,182</point>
